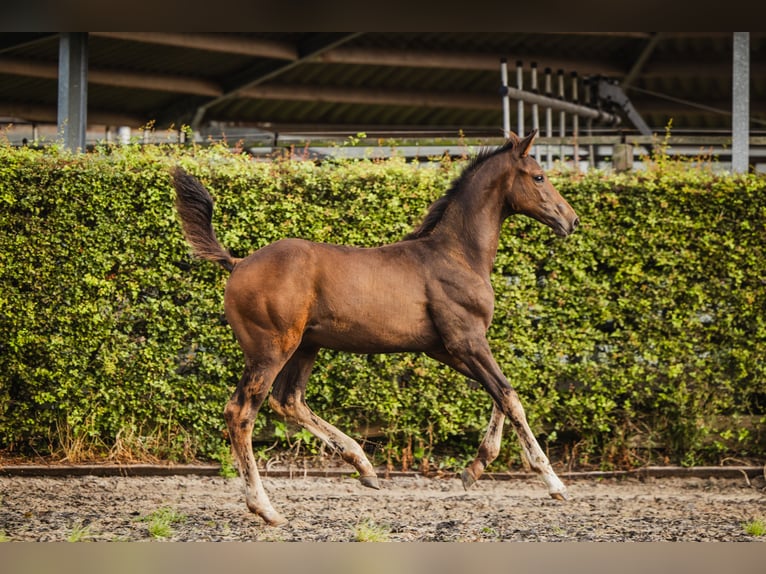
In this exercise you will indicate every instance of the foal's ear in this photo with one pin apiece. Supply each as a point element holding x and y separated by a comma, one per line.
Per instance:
<point>514,138</point>
<point>523,146</point>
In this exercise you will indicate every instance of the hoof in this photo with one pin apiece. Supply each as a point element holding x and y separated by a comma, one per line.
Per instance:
<point>370,482</point>
<point>274,519</point>
<point>468,479</point>
<point>562,495</point>
<point>268,515</point>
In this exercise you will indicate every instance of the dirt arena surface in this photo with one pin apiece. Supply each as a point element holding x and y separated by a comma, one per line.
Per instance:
<point>406,509</point>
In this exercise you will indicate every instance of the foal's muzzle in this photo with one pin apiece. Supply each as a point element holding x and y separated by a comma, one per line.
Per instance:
<point>575,223</point>
<point>567,220</point>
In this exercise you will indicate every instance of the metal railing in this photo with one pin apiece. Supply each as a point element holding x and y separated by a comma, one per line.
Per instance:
<point>569,151</point>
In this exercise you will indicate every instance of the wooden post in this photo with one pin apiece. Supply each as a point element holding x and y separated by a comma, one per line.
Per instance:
<point>622,157</point>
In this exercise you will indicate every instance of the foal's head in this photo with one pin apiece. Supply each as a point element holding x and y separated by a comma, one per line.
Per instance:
<point>529,191</point>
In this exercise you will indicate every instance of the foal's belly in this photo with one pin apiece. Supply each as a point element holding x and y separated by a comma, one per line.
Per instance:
<point>372,327</point>
<point>368,301</point>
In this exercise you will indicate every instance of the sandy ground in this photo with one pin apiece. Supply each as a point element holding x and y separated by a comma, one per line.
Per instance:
<point>413,508</point>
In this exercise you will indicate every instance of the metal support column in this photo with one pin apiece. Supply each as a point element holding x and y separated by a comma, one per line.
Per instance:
<point>73,89</point>
<point>740,121</point>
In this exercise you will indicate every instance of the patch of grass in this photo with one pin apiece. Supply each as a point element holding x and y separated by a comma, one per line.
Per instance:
<point>755,527</point>
<point>161,521</point>
<point>368,531</point>
<point>4,537</point>
<point>80,533</point>
<point>489,532</point>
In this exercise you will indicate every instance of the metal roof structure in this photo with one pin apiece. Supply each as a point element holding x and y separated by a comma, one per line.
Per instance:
<point>399,82</point>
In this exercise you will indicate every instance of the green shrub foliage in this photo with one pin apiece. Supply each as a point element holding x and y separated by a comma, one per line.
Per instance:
<point>638,339</point>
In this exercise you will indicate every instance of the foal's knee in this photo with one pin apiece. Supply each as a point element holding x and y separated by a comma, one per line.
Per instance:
<point>237,417</point>
<point>230,413</point>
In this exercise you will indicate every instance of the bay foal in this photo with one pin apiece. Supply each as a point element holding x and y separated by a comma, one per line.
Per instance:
<point>428,293</point>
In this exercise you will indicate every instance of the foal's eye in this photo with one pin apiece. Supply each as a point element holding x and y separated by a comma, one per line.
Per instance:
<point>538,178</point>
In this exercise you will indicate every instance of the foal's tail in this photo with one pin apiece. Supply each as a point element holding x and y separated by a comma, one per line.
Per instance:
<point>195,208</point>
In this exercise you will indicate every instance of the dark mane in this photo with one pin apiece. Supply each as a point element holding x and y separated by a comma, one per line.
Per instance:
<point>438,207</point>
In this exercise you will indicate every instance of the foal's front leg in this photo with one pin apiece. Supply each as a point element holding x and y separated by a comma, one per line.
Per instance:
<point>535,455</point>
<point>475,358</point>
<point>491,377</point>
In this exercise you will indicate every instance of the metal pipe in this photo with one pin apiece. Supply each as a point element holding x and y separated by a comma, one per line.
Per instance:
<point>589,123</point>
<point>563,106</point>
<point>575,122</point>
<point>562,114</point>
<point>535,107</point>
<point>548,118</point>
<point>506,100</point>
<point>520,102</point>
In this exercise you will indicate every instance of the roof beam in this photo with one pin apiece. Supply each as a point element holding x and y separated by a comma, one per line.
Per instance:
<point>10,41</point>
<point>115,78</point>
<point>676,107</point>
<point>457,60</point>
<point>48,114</point>
<point>703,68</point>
<point>156,82</point>
<point>28,68</point>
<point>368,96</point>
<point>606,34</point>
<point>227,43</point>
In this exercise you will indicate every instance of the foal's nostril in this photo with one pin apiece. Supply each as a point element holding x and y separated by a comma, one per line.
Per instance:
<point>575,223</point>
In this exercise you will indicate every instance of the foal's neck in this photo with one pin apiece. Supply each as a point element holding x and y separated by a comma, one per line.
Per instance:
<point>472,223</point>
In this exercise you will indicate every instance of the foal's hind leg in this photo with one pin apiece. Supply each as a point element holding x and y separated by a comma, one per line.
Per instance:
<point>289,399</point>
<point>488,449</point>
<point>240,414</point>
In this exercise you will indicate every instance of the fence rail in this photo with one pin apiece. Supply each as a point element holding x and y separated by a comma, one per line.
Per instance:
<point>590,151</point>
<point>584,152</point>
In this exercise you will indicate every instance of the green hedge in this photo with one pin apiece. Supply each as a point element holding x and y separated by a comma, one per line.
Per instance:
<point>638,339</point>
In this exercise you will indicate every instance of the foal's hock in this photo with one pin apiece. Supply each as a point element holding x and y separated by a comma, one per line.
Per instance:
<point>429,292</point>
